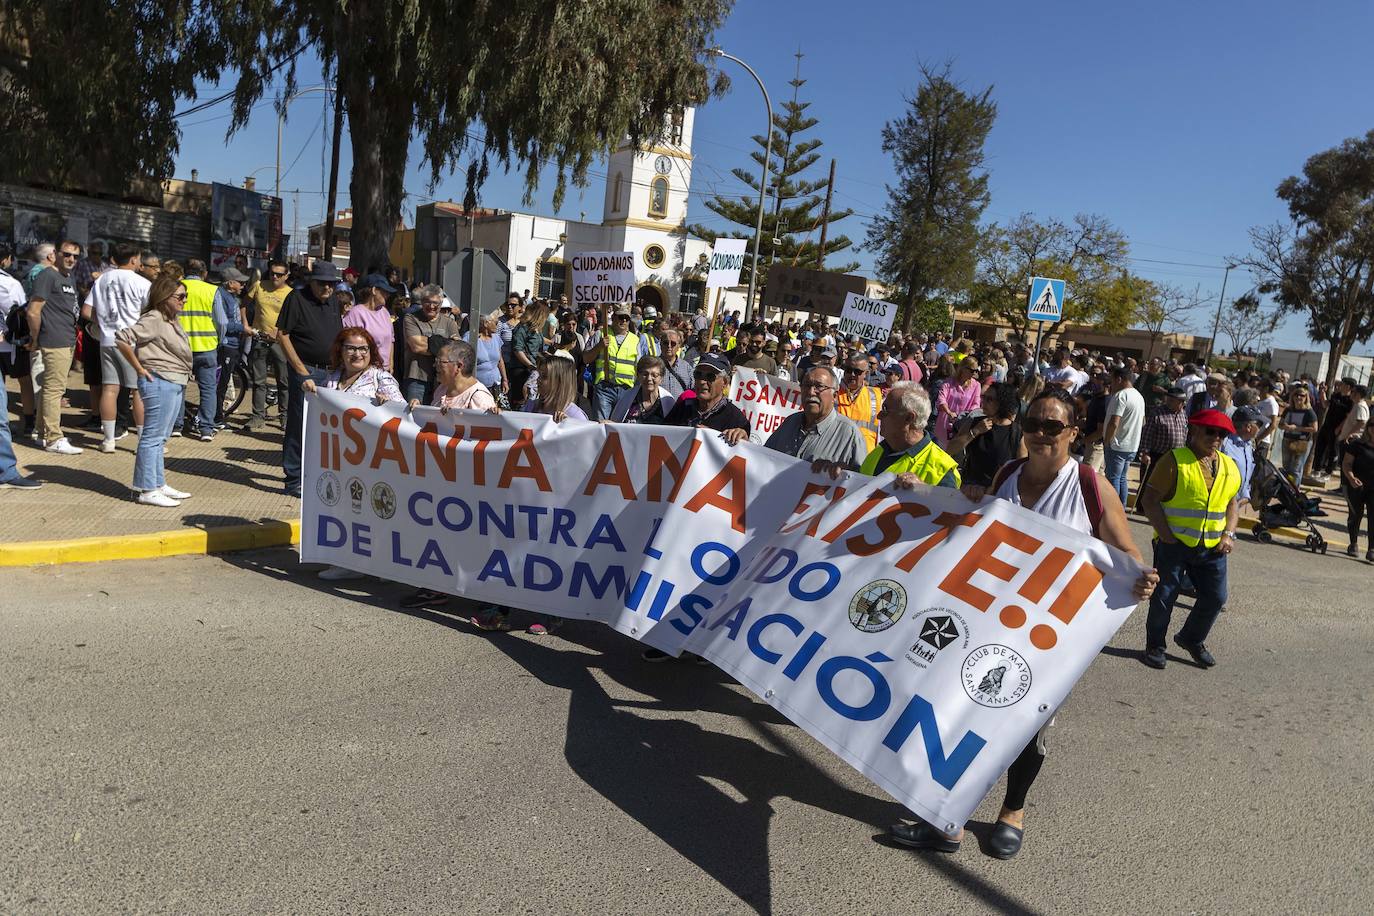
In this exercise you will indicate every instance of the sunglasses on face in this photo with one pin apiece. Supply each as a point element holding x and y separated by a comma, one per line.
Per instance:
<point>279,274</point>
<point>1212,430</point>
<point>70,254</point>
<point>356,348</point>
<point>1051,428</point>
<point>180,297</point>
<point>854,370</point>
<point>705,375</point>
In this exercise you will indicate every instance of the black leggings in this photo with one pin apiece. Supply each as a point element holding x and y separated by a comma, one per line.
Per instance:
<point>1361,504</point>
<point>1021,774</point>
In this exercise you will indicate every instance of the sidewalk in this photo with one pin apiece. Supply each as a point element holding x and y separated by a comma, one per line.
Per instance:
<point>234,480</point>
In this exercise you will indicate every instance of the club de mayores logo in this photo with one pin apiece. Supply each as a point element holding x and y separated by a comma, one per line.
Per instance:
<point>877,606</point>
<point>995,676</point>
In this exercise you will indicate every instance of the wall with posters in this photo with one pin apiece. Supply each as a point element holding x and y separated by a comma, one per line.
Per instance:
<point>179,229</point>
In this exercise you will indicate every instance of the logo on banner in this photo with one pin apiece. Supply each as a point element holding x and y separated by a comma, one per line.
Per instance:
<point>383,500</point>
<point>995,676</point>
<point>328,488</point>
<point>355,494</point>
<point>877,606</point>
<point>939,628</point>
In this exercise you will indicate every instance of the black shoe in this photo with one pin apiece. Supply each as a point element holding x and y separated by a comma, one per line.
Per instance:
<point>1369,555</point>
<point>1352,551</point>
<point>654,655</point>
<point>1154,657</point>
<point>424,597</point>
<point>1198,651</point>
<point>1005,840</point>
<point>921,835</point>
<point>21,483</point>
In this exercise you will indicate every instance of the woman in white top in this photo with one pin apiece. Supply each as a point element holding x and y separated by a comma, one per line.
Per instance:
<point>1050,482</point>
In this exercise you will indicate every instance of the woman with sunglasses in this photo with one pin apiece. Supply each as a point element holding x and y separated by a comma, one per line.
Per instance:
<point>1048,481</point>
<point>157,348</point>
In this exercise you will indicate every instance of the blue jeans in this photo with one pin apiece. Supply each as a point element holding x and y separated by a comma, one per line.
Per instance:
<point>295,427</point>
<point>205,367</point>
<point>9,465</point>
<point>1118,468</point>
<point>1207,569</point>
<point>604,397</point>
<point>416,389</point>
<point>162,405</point>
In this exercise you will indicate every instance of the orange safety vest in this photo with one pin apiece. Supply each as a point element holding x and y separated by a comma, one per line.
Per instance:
<point>862,410</point>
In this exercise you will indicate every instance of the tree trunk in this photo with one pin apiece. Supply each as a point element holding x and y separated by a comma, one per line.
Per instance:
<point>379,129</point>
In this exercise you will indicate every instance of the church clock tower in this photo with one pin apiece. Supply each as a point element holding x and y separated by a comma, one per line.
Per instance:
<point>647,188</point>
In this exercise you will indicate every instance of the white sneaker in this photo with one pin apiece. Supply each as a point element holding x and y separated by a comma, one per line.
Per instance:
<point>107,446</point>
<point>63,447</point>
<point>157,498</point>
<point>174,493</point>
<point>335,573</point>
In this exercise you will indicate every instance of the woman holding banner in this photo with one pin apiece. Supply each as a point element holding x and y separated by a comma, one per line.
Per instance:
<point>556,397</point>
<point>646,402</point>
<point>1050,482</point>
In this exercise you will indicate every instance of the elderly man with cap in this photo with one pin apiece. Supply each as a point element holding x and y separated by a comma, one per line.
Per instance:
<point>857,399</point>
<point>370,313</point>
<point>1165,430</point>
<point>308,323</point>
<point>613,352</point>
<point>819,432</point>
<point>1190,501</point>
<point>1240,445</point>
<point>711,408</point>
<point>229,300</point>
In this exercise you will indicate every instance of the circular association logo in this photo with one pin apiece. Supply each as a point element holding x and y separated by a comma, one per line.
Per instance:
<point>877,606</point>
<point>995,676</point>
<point>383,500</point>
<point>328,488</point>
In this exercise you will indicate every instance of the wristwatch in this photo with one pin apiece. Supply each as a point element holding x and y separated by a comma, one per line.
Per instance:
<point>1229,534</point>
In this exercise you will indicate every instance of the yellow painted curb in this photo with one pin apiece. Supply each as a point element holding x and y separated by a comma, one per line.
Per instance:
<point>154,544</point>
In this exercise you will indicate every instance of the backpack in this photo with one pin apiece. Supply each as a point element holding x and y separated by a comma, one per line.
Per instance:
<point>1088,483</point>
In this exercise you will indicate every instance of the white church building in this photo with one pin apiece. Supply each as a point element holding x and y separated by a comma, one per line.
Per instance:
<point>645,212</point>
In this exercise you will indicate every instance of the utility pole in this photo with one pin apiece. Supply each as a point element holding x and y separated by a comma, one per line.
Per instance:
<point>328,251</point>
<point>825,216</point>
<point>295,218</point>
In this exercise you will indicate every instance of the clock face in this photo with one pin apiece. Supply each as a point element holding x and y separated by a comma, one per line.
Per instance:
<point>662,165</point>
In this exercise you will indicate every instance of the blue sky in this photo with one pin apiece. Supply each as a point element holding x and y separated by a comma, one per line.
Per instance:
<point>1175,120</point>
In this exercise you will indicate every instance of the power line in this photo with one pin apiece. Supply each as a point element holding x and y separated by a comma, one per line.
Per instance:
<point>230,94</point>
<point>318,124</point>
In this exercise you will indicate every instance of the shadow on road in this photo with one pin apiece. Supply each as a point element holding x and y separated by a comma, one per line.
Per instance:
<point>707,794</point>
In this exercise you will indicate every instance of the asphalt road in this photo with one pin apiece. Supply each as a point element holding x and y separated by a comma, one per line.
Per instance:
<point>231,735</point>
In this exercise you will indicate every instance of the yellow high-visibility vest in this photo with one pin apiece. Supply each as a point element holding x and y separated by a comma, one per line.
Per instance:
<point>1197,513</point>
<point>618,362</point>
<point>197,315</point>
<point>863,410</point>
<point>930,465</point>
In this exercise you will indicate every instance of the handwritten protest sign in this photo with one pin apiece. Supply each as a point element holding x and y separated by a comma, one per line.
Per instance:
<point>869,319</point>
<point>764,399</point>
<point>727,260</point>
<point>601,277</point>
<point>921,637</point>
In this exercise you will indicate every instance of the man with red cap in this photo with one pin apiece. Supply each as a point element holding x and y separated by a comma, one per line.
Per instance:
<point>1190,500</point>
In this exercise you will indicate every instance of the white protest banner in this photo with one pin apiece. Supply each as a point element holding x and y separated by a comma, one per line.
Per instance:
<point>923,638</point>
<point>870,319</point>
<point>764,399</point>
<point>603,277</point>
<point>727,260</point>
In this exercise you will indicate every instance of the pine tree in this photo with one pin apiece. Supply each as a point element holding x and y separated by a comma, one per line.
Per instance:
<point>792,224</point>
<point>926,238</point>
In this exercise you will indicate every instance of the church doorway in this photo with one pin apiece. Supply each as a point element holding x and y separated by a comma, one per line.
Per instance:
<point>648,295</point>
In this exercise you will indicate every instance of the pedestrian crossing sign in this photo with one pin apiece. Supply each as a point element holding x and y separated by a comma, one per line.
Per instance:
<point>1046,299</point>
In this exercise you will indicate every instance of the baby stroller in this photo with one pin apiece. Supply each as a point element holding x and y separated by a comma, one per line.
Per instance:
<point>1280,504</point>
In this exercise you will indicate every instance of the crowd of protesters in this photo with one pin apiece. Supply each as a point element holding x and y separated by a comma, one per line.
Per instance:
<point>1058,436</point>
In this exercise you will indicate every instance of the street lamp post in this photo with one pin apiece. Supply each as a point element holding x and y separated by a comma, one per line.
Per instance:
<point>763,179</point>
<point>1216,325</point>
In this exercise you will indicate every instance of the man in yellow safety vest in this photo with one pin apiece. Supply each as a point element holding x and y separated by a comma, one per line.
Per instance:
<point>858,400</point>
<point>905,448</point>
<point>612,353</point>
<point>1190,500</point>
<point>203,319</point>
